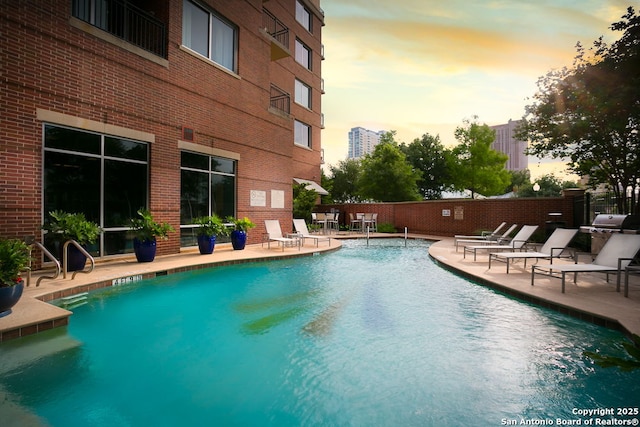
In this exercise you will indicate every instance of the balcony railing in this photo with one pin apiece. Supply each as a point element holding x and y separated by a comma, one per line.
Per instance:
<point>125,21</point>
<point>280,100</point>
<point>275,28</point>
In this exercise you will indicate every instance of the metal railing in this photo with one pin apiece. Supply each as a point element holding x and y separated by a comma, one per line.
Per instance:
<point>48,255</point>
<point>125,21</point>
<point>279,99</point>
<point>275,28</point>
<point>65,258</point>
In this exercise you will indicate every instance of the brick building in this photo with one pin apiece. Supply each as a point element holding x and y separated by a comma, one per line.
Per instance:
<point>186,107</point>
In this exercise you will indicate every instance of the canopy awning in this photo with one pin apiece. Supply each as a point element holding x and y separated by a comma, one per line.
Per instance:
<point>312,185</point>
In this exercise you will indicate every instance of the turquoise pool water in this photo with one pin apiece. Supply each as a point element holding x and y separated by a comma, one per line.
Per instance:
<point>365,336</point>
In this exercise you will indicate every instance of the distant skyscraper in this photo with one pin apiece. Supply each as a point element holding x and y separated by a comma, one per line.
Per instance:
<point>506,143</point>
<point>362,141</point>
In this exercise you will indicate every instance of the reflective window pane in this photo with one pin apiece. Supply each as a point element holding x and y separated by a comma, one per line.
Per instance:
<point>194,161</point>
<point>125,191</point>
<point>125,149</point>
<point>194,195</point>
<point>72,140</point>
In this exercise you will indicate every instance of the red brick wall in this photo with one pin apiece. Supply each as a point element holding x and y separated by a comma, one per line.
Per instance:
<point>426,217</point>
<point>47,63</point>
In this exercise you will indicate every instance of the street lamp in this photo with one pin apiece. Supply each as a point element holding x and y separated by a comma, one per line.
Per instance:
<point>536,188</point>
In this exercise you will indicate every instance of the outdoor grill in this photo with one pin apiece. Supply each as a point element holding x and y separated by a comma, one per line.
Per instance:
<point>605,224</point>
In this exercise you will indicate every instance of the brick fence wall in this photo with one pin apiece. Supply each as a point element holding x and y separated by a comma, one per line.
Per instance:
<point>466,216</point>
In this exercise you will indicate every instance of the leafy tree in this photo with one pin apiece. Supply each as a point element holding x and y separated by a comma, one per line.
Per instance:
<point>386,175</point>
<point>519,180</point>
<point>344,181</point>
<point>326,183</point>
<point>473,164</point>
<point>590,113</point>
<point>550,186</point>
<point>304,201</point>
<point>427,154</point>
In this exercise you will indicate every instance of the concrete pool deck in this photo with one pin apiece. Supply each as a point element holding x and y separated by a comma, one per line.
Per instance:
<point>592,299</point>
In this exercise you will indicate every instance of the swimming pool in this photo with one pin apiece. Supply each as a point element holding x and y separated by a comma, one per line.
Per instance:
<point>364,336</point>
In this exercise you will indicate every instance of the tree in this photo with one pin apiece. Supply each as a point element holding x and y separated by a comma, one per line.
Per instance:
<point>304,201</point>
<point>386,175</point>
<point>590,113</point>
<point>550,186</point>
<point>519,180</point>
<point>473,164</point>
<point>344,181</point>
<point>427,154</point>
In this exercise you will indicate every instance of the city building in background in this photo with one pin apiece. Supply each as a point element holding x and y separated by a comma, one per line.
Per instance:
<point>506,143</point>
<point>362,141</point>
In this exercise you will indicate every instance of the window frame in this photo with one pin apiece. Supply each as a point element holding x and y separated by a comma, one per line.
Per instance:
<point>212,53</point>
<point>106,158</point>
<point>304,16</point>
<point>297,134</point>
<point>303,94</point>
<point>303,51</point>
<point>187,230</point>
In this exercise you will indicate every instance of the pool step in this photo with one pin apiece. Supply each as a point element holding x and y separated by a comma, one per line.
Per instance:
<point>74,301</point>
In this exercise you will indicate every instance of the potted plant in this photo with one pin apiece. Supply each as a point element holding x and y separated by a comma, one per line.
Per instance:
<point>65,226</point>
<point>14,258</point>
<point>146,231</point>
<point>209,227</point>
<point>239,232</point>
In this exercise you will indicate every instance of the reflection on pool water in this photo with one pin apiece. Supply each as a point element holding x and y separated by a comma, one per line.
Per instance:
<point>364,336</point>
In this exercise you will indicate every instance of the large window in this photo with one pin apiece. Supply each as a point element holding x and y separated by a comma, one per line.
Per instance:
<point>303,16</point>
<point>207,187</point>
<point>302,134</point>
<point>303,54</point>
<point>303,94</point>
<point>210,35</point>
<point>102,176</point>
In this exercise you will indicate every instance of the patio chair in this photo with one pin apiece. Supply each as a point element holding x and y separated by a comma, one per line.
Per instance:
<point>484,235</point>
<point>554,247</point>
<point>614,257</point>
<point>274,234</point>
<point>517,243</point>
<point>354,224</point>
<point>490,238</point>
<point>301,228</point>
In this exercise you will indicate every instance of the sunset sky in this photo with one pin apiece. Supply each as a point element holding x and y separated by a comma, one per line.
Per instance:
<point>423,66</point>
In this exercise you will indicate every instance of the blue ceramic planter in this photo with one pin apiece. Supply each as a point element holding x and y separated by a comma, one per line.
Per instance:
<point>206,244</point>
<point>238,239</point>
<point>10,297</point>
<point>145,250</point>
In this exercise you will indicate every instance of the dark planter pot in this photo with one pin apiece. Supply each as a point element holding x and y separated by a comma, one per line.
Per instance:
<point>9,297</point>
<point>76,260</point>
<point>206,244</point>
<point>145,250</point>
<point>238,239</point>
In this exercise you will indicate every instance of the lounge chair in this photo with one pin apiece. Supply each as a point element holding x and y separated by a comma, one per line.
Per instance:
<point>484,235</point>
<point>490,238</point>
<point>554,247</point>
<point>517,243</point>
<point>614,257</point>
<point>301,228</point>
<point>274,234</point>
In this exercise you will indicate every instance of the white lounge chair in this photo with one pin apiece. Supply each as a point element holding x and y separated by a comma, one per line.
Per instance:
<point>301,228</point>
<point>490,238</point>
<point>517,243</point>
<point>274,234</point>
<point>614,257</point>
<point>484,235</point>
<point>554,247</point>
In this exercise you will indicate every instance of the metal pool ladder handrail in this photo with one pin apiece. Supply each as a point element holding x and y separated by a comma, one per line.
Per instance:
<point>66,259</point>
<point>47,254</point>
